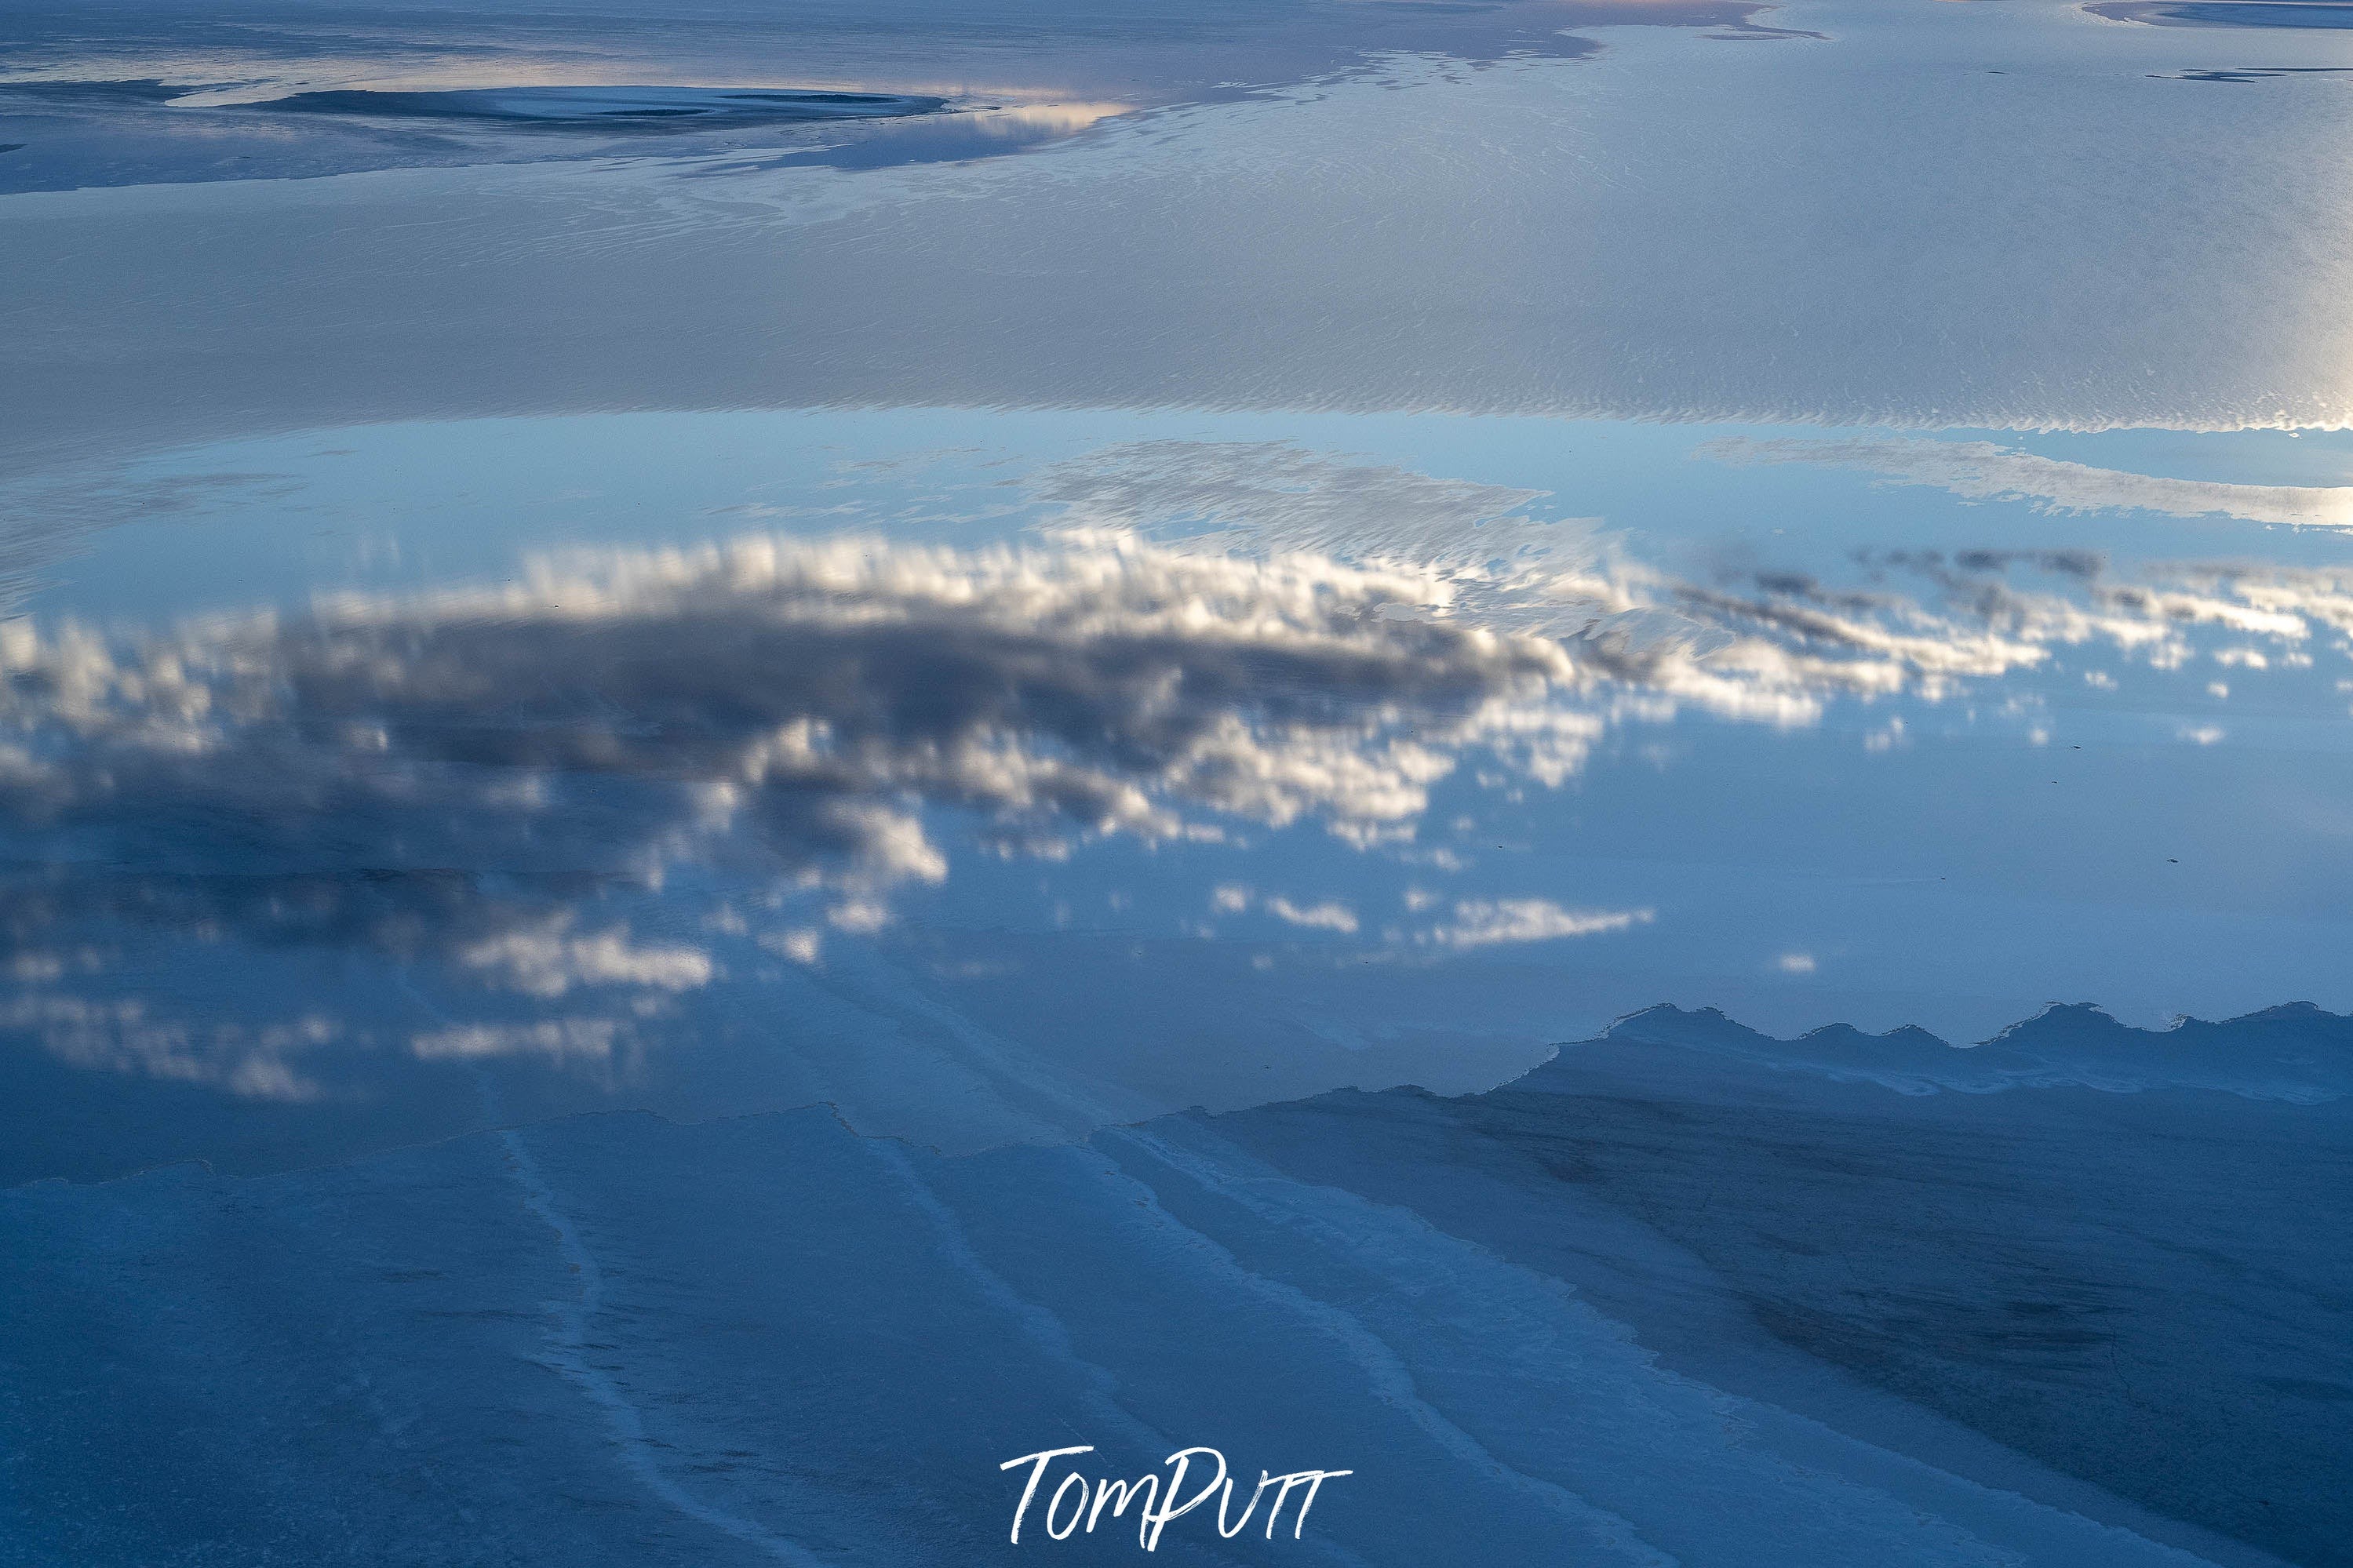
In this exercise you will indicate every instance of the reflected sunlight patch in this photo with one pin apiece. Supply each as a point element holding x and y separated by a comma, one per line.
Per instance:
<point>1980,470</point>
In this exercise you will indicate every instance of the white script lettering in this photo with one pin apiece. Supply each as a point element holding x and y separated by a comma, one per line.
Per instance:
<point>1157,1504</point>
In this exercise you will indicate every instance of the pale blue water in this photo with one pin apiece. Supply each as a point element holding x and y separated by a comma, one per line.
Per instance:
<point>709,817</point>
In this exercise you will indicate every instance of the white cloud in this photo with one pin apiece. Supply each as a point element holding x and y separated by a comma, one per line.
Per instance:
<point>860,916</point>
<point>561,1039</point>
<point>807,709</point>
<point>1482,922</point>
<point>1329,915</point>
<point>549,963</point>
<point>802,945</point>
<point>123,1034</point>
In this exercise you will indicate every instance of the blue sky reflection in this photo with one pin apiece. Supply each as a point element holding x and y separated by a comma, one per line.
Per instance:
<point>1366,773</point>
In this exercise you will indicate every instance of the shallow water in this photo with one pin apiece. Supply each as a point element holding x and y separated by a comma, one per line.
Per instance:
<point>977,607</point>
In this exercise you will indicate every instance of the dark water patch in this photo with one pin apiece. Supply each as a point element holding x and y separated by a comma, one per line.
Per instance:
<point>609,109</point>
<point>2324,14</point>
<point>72,134</point>
<point>2259,74</point>
<point>140,92</point>
<point>106,129</point>
<point>1745,31</point>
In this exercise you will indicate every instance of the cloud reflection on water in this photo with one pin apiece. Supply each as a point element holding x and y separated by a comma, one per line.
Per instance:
<point>775,736</point>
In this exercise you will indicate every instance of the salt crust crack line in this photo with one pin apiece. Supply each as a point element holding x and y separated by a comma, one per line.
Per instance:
<point>1037,1323</point>
<point>569,1356</point>
<point>1387,1374</point>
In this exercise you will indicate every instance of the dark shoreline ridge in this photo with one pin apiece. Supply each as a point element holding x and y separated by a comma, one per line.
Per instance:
<point>2148,1290</point>
<point>2293,1051</point>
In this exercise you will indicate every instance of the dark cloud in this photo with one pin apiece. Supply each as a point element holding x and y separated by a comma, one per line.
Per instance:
<point>418,774</point>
